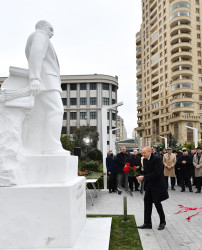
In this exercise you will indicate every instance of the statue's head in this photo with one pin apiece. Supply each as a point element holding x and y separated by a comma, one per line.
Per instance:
<point>45,26</point>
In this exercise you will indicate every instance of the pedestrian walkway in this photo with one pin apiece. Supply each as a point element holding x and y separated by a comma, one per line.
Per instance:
<point>179,234</point>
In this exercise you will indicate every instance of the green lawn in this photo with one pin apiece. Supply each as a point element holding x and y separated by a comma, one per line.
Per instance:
<point>124,235</point>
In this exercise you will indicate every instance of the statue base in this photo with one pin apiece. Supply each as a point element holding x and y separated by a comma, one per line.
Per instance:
<point>42,216</point>
<point>45,169</point>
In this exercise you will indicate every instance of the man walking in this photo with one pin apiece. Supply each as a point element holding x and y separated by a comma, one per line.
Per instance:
<point>169,161</point>
<point>155,188</point>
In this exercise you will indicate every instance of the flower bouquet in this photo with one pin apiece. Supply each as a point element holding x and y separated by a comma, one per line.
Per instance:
<point>131,171</point>
<point>84,173</point>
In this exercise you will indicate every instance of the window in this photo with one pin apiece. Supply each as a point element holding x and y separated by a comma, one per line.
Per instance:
<point>114,116</point>
<point>93,86</point>
<point>178,5</point>
<point>197,18</point>
<point>72,129</point>
<point>93,115</point>
<point>199,62</point>
<point>83,101</point>
<point>197,10</point>
<point>198,27</point>
<point>113,101</point>
<point>93,100</point>
<point>64,101</point>
<point>105,86</point>
<point>198,45</point>
<point>198,36</point>
<point>73,115</point>
<point>105,101</point>
<point>65,116</point>
<point>182,105</point>
<point>64,86</point>
<point>64,130</point>
<point>199,53</point>
<point>73,86</point>
<point>83,86</point>
<point>83,115</point>
<point>73,101</point>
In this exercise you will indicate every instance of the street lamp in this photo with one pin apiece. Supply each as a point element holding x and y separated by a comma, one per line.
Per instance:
<point>111,142</point>
<point>195,135</point>
<point>104,138</point>
<point>166,141</point>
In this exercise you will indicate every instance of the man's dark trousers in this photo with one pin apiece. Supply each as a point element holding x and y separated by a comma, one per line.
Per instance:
<point>148,208</point>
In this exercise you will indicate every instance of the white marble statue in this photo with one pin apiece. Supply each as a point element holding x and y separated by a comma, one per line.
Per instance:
<point>46,120</point>
<point>31,108</point>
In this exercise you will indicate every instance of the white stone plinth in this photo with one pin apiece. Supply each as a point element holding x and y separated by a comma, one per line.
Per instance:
<point>44,169</point>
<point>42,216</point>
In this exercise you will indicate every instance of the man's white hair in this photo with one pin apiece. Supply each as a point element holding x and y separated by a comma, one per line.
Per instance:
<point>41,24</point>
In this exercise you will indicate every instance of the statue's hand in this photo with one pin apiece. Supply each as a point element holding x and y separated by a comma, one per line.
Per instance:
<point>35,87</point>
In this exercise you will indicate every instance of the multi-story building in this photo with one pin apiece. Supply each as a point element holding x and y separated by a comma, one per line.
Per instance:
<point>121,132</point>
<point>169,70</point>
<point>83,97</point>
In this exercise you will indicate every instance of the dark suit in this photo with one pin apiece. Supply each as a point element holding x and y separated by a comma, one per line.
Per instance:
<point>112,168</point>
<point>155,188</point>
<point>135,160</point>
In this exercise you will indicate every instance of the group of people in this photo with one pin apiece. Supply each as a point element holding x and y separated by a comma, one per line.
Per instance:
<point>184,169</point>
<point>155,168</point>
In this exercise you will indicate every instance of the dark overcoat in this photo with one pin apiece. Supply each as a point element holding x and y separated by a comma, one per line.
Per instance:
<point>154,179</point>
<point>111,164</point>
<point>122,159</point>
<point>185,169</point>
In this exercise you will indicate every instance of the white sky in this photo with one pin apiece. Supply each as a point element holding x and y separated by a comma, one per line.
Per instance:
<point>91,36</point>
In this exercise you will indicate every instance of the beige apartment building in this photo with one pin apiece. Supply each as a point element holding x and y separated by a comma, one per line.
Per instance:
<point>169,71</point>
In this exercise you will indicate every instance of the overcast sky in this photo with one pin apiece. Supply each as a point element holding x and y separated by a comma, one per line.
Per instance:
<point>91,36</point>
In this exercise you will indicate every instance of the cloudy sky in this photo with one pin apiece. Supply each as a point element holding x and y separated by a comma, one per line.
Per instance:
<point>91,36</point>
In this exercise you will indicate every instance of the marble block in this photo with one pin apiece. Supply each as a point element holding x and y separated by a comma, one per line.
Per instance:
<point>44,169</point>
<point>42,216</point>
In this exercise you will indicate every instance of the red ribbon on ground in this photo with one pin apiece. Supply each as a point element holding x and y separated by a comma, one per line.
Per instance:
<point>186,209</point>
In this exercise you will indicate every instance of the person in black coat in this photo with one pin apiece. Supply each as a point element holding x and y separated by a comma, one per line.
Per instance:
<point>184,165</point>
<point>154,186</point>
<point>135,160</point>
<point>111,171</point>
<point>122,158</point>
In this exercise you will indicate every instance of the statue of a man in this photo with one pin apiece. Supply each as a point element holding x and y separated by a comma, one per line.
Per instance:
<point>46,119</point>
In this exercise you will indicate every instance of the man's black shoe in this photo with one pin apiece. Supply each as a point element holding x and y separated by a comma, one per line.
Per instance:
<point>197,191</point>
<point>110,191</point>
<point>173,188</point>
<point>182,190</point>
<point>191,191</point>
<point>137,190</point>
<point>145,226</point>
<point>162,226</point>
<point>114,190</point>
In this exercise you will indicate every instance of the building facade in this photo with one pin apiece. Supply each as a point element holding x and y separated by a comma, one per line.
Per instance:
<point>83,97</point>
<point>121,132</point>
<point>169,71</point>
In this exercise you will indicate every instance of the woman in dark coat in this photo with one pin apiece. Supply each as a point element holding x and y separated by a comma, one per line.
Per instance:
<point>155,188</point>
<point>111,164</point>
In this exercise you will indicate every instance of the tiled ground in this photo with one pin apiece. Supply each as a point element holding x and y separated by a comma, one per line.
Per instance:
<point>178,234</point>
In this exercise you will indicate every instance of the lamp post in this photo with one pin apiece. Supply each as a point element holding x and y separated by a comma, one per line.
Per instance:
<point>195,135</point>
<point>111,142</point>
<point>166,141</point>
<point>104,138</point>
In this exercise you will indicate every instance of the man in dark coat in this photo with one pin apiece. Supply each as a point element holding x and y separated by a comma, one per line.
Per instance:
<point>122,158</point>
<point>111,171</point>
<point>185,167</point>
<point>155,188</point>
<point>135,160</point>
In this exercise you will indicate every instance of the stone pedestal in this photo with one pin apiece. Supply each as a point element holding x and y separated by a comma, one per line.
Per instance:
<point>42,216</point>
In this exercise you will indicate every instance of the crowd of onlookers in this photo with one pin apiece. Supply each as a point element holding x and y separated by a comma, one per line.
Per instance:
<point>184,169</point>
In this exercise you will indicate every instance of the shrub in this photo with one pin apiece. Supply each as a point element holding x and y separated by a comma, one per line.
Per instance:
<point>90,166</point>
<point>95,155</point>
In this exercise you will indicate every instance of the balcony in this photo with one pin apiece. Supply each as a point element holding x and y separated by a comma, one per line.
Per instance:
<point>175,20</point>
<point>186,46</point>
<point>182,64</point>
<point>184,118</point>
<point>183,27</point>
<point>187,72</point>
<point>178,54</point>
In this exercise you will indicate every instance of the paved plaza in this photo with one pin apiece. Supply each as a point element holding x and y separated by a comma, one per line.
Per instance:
<point>178,234</point>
